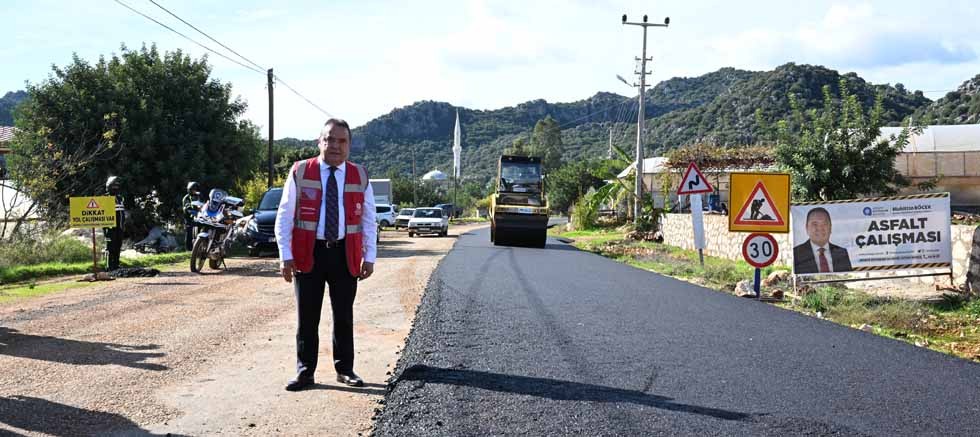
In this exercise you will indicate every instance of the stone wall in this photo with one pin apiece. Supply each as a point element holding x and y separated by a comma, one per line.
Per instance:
<point>678,231</point>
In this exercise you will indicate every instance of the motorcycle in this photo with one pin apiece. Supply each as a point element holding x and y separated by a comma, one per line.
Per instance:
<point>215,221</point>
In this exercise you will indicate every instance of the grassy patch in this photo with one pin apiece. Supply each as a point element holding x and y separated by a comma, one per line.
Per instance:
<point>46,270</point>
<point>468,220</point>
<point>952,326</point>
<point>31,290</point>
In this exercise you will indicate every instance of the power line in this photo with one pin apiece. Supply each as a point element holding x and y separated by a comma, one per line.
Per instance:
<point>187,37</point>
<point>594,113</point>
<point>277,78</point>
<point>208,36</point>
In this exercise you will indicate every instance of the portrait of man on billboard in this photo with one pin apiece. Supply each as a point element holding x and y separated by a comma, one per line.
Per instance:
<point>818,254</point>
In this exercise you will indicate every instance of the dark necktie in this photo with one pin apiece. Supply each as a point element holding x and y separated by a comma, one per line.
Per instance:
<point>824,265</point>
<point>330,210</point>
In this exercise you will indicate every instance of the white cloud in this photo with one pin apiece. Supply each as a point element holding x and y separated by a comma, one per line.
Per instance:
<point>848,36</point>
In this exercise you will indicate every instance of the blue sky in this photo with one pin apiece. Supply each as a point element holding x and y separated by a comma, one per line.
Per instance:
<point>361,59</point>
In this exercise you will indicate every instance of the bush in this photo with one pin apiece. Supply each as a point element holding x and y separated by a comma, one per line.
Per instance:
<point>251,190</point>
<point>584,214</point>
<point>50,248</point>
<point>822,299</point>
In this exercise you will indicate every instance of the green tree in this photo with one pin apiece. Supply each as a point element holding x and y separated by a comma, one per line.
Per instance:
<point>569,183</point>
<point>835,153</point>
<point>156,120</point>
<point>546,143</point>
<point>520,147</point>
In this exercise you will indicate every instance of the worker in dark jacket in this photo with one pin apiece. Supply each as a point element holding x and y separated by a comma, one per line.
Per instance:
<point>114,236</point>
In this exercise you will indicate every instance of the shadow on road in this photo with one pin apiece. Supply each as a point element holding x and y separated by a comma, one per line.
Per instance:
<point>51,418</point>
<point>368,389</point>
<point>85,353</point>
<point>556,389</point>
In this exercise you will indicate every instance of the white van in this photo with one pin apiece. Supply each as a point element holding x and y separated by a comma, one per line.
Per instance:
<point>385,214</point>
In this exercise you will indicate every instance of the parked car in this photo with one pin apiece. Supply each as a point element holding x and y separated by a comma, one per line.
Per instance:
<point>452,211</point>
<point>403,217</point>
<point>386,214</point>
<point>260,232</point>
<point>428,221</point>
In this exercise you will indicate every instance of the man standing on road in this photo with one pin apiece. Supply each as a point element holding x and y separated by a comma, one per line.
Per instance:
<point>326,235</point>
<point>114,236</point>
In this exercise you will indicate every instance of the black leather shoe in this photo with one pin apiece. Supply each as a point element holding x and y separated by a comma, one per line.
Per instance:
<point>350,379</point>
<point>298,384</point>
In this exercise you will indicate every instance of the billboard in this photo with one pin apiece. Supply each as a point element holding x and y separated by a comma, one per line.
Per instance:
<point>884,233</point>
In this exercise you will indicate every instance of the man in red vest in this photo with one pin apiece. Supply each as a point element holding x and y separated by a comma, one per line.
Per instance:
<point>326,235</point>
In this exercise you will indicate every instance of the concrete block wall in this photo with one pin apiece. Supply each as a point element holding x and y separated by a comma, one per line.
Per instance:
<point>678,231</point>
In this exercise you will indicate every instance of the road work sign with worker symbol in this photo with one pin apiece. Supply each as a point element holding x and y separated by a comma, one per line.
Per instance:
<point>760,202</point>
<point>92,212</point>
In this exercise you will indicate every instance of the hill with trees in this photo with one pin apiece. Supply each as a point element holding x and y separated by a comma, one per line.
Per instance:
<point>727,107</point>
<point>7,104</point>
<point>956,107</point>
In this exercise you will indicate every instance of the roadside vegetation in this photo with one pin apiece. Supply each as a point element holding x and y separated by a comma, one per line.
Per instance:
<point>60,255</point>
<point>951,326</point>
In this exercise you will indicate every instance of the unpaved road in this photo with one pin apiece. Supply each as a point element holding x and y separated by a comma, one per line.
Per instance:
<point>190,354</point>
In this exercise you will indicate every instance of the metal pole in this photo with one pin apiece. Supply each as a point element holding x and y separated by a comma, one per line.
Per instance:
<point>271,120</point>
<point>415,182</point>
<point>95,257</point>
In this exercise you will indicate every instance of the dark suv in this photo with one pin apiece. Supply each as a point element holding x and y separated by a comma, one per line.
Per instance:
<point>260,232</point>
<point>451,210</point>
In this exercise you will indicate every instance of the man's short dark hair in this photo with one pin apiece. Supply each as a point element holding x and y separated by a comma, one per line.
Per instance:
<point>337,122</point>
<point>820,211</point>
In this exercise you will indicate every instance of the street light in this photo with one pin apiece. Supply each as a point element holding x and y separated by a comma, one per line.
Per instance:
<point>624,81</point>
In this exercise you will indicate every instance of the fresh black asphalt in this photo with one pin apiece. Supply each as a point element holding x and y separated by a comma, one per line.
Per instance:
<point>556,341</point>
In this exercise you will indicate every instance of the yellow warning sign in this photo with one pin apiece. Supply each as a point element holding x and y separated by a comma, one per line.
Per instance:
<point>760,202</point>
<point>92,212</point>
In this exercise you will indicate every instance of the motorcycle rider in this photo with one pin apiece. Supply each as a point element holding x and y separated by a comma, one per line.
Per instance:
<point>193,195</point>
<point>114,236</point>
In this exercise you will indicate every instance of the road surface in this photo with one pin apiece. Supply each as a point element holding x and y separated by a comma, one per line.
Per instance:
<point>555,341</point>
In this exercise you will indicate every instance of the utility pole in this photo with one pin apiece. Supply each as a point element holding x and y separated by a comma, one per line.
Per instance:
<point>415,182</point>
<point>271,118</point>
<point>638,204</point>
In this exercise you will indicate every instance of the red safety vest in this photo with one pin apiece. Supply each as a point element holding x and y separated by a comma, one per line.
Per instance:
<point>309,195</point>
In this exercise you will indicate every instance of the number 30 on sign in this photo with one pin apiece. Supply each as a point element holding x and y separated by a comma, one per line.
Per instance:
<point>760,250</point>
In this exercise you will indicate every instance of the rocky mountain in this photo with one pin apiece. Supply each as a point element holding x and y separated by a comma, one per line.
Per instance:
<point>956,107</point>
<point>719,107</point>
<point>7,104</point>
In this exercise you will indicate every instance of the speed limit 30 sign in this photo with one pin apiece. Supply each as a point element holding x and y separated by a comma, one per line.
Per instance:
<point>760,249</point>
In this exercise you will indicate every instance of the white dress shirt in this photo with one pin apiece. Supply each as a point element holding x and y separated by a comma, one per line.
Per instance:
<point>287,211</point>
<point>826,254</point>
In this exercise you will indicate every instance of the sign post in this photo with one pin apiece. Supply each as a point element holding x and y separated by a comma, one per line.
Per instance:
<point>92,212</point>
<point>759,250</point>
<point>693,184</point>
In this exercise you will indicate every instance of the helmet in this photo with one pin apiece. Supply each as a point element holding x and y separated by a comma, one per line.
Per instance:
<point>113,180</point>
<point>193,188</point>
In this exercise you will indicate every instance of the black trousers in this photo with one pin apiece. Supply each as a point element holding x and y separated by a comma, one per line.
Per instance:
<point>329,268</point>
<point>189,233</point>
<point>113,237</point>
